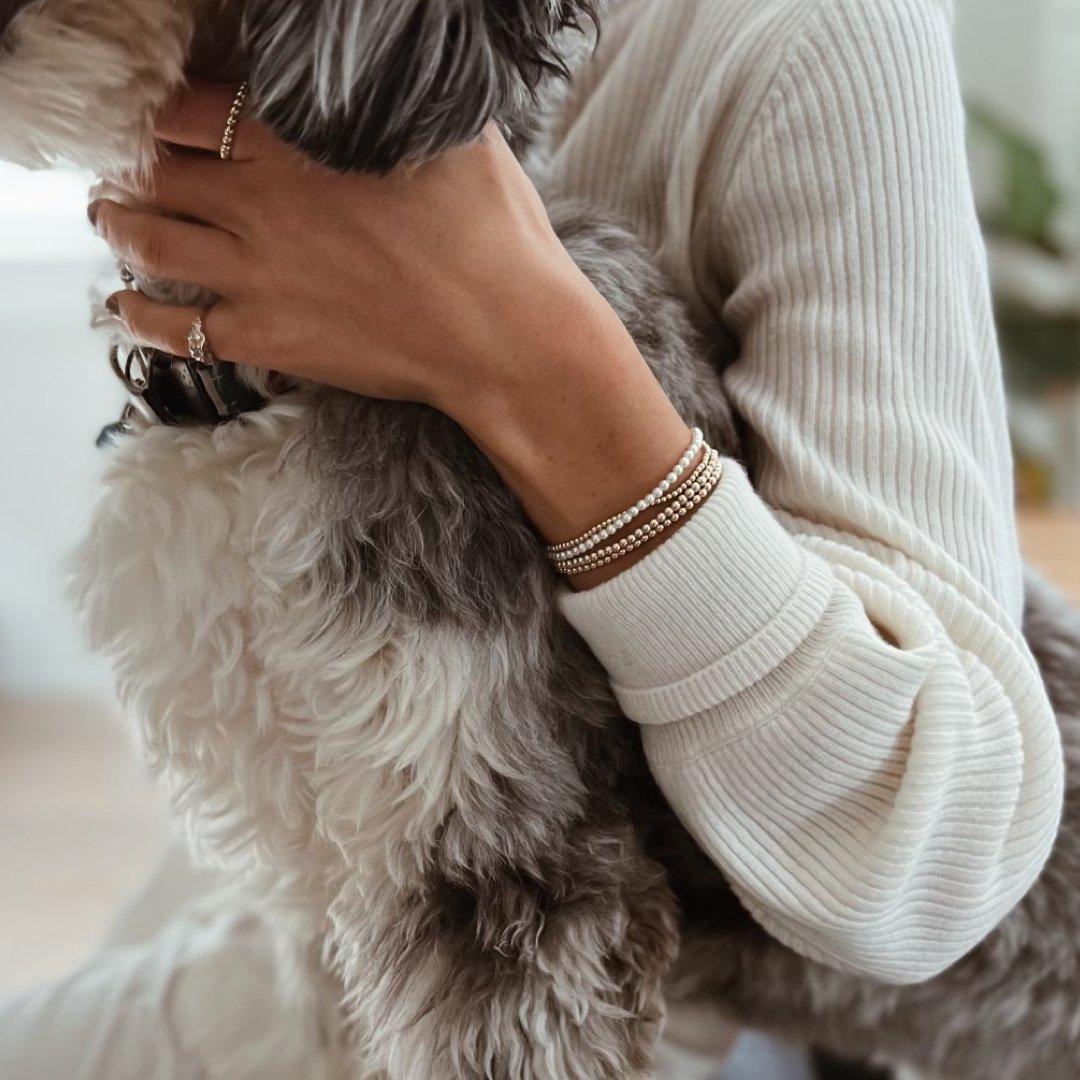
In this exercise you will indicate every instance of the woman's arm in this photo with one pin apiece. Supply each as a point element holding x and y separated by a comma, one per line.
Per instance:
<point>834,693</point>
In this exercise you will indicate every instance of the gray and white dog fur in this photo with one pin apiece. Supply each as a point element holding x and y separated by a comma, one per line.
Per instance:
<point>333,622</point>
<point>338,632</point>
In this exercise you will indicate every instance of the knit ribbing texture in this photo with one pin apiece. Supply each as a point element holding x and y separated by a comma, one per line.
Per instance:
<point>826,662</point>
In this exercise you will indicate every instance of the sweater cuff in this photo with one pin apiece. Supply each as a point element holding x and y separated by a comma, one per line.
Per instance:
<point>708,612</point>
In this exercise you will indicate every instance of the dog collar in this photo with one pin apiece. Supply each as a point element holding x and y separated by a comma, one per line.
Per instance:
<point>178,391</point>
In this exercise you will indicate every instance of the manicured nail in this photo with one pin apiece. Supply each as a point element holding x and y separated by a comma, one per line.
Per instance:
<point>92,212</point>
<point>112,306</point>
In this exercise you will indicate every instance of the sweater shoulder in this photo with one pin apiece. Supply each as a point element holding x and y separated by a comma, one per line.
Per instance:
<point>759,37</point>
<point>773,55</point>
<point>762,15</point>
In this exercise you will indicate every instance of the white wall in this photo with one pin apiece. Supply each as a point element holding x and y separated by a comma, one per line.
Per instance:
<point>56,392</point>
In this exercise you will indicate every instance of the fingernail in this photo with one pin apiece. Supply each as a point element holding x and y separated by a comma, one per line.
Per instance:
<point>92,212</point>
<point>112,306</point>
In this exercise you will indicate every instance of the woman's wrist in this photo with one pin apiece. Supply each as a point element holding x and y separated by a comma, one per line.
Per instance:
<point>579,431</point>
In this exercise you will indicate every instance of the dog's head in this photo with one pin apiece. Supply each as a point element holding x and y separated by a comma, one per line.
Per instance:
<point>357,84</point>
<point>366,84</point>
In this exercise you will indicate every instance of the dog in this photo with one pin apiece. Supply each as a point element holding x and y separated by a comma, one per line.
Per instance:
<point>338,635</point>
<point>332,620</point>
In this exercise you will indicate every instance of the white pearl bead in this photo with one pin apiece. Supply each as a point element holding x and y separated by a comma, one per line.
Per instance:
<point>592,549</point>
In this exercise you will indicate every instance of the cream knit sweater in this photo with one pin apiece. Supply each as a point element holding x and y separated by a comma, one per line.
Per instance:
<point>799,167</point>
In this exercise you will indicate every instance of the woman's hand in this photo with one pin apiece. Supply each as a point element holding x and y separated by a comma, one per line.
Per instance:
<point>419,285</point>
<point>442,283</point>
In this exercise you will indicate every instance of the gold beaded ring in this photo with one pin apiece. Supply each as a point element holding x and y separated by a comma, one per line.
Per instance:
<point>231,122</point>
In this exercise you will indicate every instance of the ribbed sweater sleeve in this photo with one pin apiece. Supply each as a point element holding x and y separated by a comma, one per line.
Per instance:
<point>826,662</point>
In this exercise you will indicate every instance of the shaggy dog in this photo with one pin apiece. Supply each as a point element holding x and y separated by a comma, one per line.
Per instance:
<point>338,632</point>
<point>333,621</point>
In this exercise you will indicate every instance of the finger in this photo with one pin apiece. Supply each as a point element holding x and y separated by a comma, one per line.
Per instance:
<point>186,184</point>
<point>162,247</point>
<point>166,327</point>
<point>197,116</point>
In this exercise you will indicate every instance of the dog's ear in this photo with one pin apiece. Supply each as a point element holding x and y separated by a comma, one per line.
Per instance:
<point>367,84</point>
<point>81,80</point>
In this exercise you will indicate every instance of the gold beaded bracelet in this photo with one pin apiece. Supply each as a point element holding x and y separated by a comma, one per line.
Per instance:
<point>598,533</point>
<point>594,564</point>
<point>709,464</point>
<point>580,564</point>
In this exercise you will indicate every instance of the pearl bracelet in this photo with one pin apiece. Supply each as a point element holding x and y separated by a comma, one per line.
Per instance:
<point>709,464</point>
<point>679,509</point>
<point>594,564</point>
<point>683,487</point>
<point>675,492</point>
<point>598,533</point>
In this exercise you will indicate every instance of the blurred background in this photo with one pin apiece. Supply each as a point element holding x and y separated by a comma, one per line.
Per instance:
<point>80,826</point>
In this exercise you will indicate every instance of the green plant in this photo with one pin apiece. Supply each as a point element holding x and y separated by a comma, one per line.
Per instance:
<point>1040,350</point>
<point>1030,198</point>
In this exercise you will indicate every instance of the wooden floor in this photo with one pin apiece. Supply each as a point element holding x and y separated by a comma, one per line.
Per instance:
<point>81,826</point>
<point>1051,541</point>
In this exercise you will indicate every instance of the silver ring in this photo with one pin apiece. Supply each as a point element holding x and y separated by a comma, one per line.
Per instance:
<point>231,122</point>
<point>198,347</point>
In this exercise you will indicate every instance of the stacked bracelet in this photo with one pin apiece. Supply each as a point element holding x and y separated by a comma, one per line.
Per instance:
<point>598,533</point>
<point>586,553</point>
<point>679,508</point>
